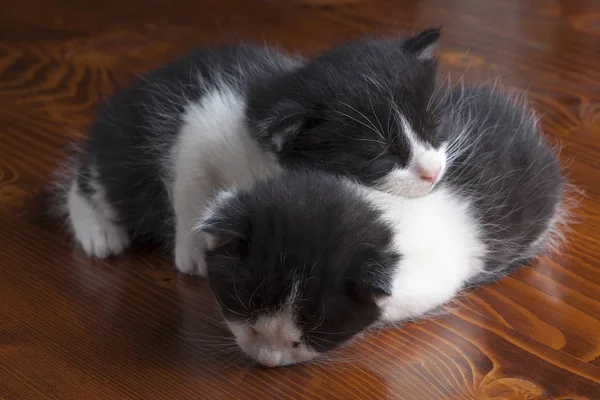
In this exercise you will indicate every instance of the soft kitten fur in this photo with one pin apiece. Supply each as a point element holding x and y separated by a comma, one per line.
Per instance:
<point>223,117</point>
<point>302,262</point>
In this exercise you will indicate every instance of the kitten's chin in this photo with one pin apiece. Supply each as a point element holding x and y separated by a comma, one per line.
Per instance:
<point>419,192</point>
<point>412,189</point>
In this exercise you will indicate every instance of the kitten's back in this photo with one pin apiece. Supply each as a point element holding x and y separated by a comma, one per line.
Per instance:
<point>507,170</point>
<point>128,150</point>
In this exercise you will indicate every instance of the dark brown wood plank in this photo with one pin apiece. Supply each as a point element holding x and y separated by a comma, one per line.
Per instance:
<point>131,328</point>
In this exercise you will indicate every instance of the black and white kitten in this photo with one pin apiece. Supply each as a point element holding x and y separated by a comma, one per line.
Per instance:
<point>223,117</point>
<point>302,262</point>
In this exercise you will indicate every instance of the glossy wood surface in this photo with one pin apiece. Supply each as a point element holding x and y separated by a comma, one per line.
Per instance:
<point>131,328</point>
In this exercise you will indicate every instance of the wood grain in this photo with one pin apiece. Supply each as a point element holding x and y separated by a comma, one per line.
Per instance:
<point>131,328</point>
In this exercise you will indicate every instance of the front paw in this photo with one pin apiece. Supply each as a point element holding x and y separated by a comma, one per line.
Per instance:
<point>189,259</point>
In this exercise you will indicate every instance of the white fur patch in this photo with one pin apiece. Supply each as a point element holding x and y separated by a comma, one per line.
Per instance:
<point>214,151</point>
<point>440,246</point>
<point>92,223</point>
<point>273,341</point>
<point>425,169</point>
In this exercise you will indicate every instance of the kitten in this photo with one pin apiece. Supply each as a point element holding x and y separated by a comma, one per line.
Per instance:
<point>304,261</point>
<point>226,116</point>
<point>371,110</point>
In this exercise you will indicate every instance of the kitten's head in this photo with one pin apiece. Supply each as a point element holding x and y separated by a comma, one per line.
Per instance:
<point>372,110</point>
<point>297,265</point>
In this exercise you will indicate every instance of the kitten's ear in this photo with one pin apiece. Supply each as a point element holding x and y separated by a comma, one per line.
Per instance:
<point>424,43</point>
<point>217,237</point>
<point>288,119</point>
<point>371,277</point>
<point>225,223</point>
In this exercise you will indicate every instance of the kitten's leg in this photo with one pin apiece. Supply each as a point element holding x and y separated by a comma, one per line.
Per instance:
<point>189,198</point>
<point>93,221</point>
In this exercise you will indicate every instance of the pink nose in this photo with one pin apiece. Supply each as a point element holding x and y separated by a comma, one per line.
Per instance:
<point>429,174</point>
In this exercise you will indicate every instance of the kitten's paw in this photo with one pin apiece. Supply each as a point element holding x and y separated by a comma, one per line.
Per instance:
<point>189,259</point>
<point>99,236</point>
<point>102,239</point>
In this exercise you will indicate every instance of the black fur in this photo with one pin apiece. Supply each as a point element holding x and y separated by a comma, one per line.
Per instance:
<point>312,229</point>
<point>130,142</point>
<point>309,231</point>
<point>509,172</point>
<point>326,114</point>
<point>292,108</point>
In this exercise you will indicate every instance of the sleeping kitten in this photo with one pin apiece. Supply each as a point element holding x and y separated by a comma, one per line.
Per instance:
<point>371,110</point>
<point>304,261</point>
<point>226,116</point>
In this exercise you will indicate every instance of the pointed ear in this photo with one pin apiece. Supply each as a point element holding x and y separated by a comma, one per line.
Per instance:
<point>225,222</point>
<point>371,277</point>
<point>424,43</point>
<point>288,119</point>
<point>217,237</point>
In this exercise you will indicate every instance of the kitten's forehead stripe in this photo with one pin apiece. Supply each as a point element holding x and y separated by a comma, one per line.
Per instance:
<point>410,133</point>
<point>283,324</point>
<point>417,146</point>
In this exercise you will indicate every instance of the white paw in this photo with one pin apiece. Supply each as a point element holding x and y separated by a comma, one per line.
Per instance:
<point>189,258</point>
<point>102,239</point>
<point>98,235</point>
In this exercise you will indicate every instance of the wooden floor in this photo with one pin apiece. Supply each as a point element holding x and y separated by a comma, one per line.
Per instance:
<point>131,328</point>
